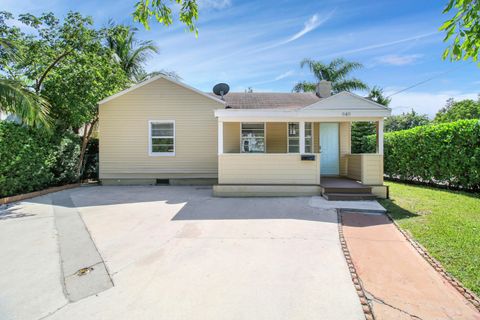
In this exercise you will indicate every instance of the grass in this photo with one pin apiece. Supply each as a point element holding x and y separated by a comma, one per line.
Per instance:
<point>446,223</point>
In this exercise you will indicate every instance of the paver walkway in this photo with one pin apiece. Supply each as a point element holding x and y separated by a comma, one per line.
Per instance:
<point>399,283</point>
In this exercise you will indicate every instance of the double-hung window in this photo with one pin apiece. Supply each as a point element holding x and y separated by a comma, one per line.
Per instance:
<point>253,138</point>
<point>162,138</point>
<point>293,137</point>
<point>308,137</point>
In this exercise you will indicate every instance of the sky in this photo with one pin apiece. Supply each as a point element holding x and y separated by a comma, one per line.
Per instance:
<point>259,44</point>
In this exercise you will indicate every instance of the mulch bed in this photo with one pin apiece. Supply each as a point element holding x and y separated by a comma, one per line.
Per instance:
<point>29,195</point>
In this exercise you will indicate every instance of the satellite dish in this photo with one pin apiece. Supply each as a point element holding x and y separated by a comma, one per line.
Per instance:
<point>221,89</point>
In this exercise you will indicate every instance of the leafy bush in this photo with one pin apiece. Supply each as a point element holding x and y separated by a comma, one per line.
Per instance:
<point>90,169</point>
<point>447,153</point>
<point>31,159</point>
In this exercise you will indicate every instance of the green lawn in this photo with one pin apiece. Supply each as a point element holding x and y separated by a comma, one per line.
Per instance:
<point>446,223</point>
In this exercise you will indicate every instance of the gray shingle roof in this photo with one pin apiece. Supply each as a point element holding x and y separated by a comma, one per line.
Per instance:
<point>269,100</point>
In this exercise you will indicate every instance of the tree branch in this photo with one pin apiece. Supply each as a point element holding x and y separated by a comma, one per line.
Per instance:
<point>45,73</point>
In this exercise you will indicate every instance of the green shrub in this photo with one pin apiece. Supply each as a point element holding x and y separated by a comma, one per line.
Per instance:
<point>31,159</point>
<point>447,154</point>
<point>90,169</point>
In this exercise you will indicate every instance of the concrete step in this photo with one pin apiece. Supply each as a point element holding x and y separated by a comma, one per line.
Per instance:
<point>349,196</point>
<point>362,190</point>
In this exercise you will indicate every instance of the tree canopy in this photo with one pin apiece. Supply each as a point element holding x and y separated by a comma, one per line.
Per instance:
<point>163,13</point>
<point>459,110</point>
<point>405,121</point>
<point>462,30</point>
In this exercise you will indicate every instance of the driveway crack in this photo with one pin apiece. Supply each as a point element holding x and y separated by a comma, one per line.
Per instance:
<point>371,297</point>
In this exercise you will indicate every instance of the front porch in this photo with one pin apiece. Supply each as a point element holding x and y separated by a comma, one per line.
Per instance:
<point>290,151</point>
<point>296,158</point>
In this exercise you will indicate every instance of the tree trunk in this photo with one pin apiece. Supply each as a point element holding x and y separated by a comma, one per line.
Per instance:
<point>85,139</point>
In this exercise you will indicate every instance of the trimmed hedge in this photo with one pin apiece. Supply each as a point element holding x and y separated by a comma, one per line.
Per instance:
<point>444,154</point>
<point>31,159</point>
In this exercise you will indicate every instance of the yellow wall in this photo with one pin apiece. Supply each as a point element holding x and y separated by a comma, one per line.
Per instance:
<point>267,169</point>
<point>345,146</point>
<point>123,133</point>
<point>276,137</point>
<point>231,137</point>
<point>367,168</point>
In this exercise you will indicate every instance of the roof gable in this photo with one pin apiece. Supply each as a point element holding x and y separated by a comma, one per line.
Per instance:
<point>141,84</point>
<point>346,101</point>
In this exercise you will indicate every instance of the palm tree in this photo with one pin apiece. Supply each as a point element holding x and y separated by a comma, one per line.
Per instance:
<point>29,107</point>
<point>147,75</point>
<point>129,52</point>
<point>376,94</point>
<point>18,100</point>
<point>336,72</point>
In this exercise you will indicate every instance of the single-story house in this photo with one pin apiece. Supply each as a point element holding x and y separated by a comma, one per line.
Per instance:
<point>244,143</point>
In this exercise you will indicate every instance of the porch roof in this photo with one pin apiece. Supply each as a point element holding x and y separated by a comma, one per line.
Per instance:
<point>344,106</point>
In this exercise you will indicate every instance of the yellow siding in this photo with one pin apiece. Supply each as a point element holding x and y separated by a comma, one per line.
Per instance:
<point>123,132</point>
<point>316,137</point>
<point>367,168</point>
<point>276,134</point>
<point>372,169</point>
<point>231,137</point>
<point>345,146</point>
<point>354,169</point>
<point>267,169</point>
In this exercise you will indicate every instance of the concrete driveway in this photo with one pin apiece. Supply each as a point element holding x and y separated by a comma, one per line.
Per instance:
<point>176,253</point>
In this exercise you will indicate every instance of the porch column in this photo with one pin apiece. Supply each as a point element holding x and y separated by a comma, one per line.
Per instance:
<point>220,137</point>
<point>302,137</point>
<point>380,137</point>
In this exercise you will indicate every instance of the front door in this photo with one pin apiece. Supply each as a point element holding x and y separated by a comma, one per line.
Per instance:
<point>329,149</point>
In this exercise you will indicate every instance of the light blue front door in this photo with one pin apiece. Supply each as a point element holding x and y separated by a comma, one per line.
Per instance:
<point>329,149</point>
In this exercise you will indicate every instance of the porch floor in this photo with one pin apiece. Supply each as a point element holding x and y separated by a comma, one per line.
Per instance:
<point>340,182</point>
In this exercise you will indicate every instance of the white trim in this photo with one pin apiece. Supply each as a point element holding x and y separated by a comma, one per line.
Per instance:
<point>346,93</point>
<point>273,115</point>
<point>141,84</point>
<point>380,137</point>
<point>160,154</point>
<point>220,137</point>
<point>302,137</point>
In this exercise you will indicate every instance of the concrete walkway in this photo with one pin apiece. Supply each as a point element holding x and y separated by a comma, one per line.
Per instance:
<point>178,253</point>
<point>399,283</point>
<point>83,270</point>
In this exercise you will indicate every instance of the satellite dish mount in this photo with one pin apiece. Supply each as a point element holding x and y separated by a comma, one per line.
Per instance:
<point>221,89</point>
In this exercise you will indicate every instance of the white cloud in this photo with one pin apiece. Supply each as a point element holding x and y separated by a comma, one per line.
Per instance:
<point>215,4</point>
<point>384,44</point>
<point>284,75</point>
<point>311,24</point>
<point>398,60</point>
<point>425,102</point>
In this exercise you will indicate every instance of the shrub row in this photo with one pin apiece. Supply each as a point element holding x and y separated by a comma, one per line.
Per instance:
<point>32,159</point>
<point>444,154</point>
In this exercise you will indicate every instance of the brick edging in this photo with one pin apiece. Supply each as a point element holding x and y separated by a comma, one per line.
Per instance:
<point>466,293</point>
<point>367,309</point>
<point>29,195</point>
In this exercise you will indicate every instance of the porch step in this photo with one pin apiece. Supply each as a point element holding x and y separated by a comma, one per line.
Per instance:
<point>361,190</point>
<point>349,196</point>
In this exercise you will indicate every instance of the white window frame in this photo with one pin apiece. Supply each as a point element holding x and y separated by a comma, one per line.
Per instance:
<point>312,137</point>
<point>288,138</point>
<point>264,137</point>
<point>150,137</point>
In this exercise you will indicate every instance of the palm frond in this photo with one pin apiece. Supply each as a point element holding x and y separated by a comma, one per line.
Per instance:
<point>349,85</point>
<point>304,86</point>
<point>29,107</point>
